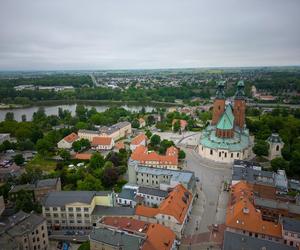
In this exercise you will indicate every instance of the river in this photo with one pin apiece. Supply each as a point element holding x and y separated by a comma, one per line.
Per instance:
<point>53,110</point>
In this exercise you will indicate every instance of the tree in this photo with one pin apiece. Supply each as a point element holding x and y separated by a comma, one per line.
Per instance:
<point>9,116</point>
<point>181,154</point>
<point>19,159</point>
<point>89,183</point>
<point>81,112</point>
<point>279,163</point>
<point>176,126</point>
<point>96,161</point>
<point>150,120</point>
<point>24,118</point>
<point>81,144</point>
<point>155,140</point>
<point>164,144</point>
<point>135,123</point>
<point>25,203</point>
<point>110,176</point>
<point>43,146</point>
<point>261,148</point>
<point>295,163</point>
<point>84,246</point>
<point>148,134</point>
<point>65,154</point>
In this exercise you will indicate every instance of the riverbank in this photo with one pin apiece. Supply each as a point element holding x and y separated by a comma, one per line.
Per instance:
<point>90,103</point>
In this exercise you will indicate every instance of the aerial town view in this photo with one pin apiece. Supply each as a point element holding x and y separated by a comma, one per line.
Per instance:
<point>149,125</point>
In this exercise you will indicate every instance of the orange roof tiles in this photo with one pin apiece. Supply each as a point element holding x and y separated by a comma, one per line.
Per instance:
<point>142,155</point>
<point>71,138</point>
<point>159,238</point>
<point>141,120</point>
<point>138,139</point>
<point>83,156</point>
<point>176,204</point>
<point>119,145</point>
<point>241,213</point>
<point>101,140</point>
<point>126,224</point>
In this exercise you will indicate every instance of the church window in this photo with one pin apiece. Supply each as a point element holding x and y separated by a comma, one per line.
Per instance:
<point>277,148</point>
<point>219,154</point>
<point>211,152</point>
<point>225,155</point>
<point>238,155</point>
<point>231,155</point>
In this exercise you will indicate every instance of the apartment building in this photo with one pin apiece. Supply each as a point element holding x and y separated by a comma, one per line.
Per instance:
<point>24,231</point>
<point>116,131</point>
<point>153,159</point>
<point>88,134</point>
<point>291,231</point>
<point>159,178</point>
<point>73,209</point>
<point>38,190</point>
<point>173,212</point>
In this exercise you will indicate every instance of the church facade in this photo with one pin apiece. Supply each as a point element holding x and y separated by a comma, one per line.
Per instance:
<point>227,138</point>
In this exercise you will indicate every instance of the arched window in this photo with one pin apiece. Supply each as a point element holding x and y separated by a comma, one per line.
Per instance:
<point>211,152</point>
<point>277,148</point>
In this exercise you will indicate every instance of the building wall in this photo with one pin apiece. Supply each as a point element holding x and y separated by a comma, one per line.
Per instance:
<point>291,238</point>
<point>150,200</point>
<point>223,155</point>
<point>64,144</point>
<point>239,112</point>
<point>36,239</point>
<point>275,150</point>
<point>218,110</point>
<point>89,136</point>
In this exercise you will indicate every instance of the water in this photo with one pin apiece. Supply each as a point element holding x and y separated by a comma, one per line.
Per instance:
<point>53,110</point>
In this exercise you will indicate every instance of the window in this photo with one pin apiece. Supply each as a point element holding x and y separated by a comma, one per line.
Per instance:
<point>211,152</point>
<point>78,209</point>
<point>231,155</point>
<point>238,155</point>
<point>277,148</point>
<point>86,215</point>
<point>225,155</point>
<point>78,215</point>
<point>79,221</point>
<point>54,208</point>
<point>86,209</point>
<point>219,154</point>
<point>70,209</point>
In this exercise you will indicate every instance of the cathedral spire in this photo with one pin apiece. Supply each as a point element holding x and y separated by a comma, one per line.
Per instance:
<point>220,93</point>
<point>240,93</point>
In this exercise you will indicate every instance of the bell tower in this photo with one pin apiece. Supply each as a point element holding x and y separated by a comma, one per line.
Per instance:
<point>219,103</point>
<point>239,108</point>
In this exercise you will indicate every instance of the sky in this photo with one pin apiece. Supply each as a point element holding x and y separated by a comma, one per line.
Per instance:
<point>142,34</point>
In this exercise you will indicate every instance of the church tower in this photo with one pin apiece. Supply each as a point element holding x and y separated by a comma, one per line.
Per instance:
<point>239,108</point>
<point>219,103</point>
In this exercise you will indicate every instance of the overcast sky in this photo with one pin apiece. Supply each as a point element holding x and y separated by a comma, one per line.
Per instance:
<point>129,34</point>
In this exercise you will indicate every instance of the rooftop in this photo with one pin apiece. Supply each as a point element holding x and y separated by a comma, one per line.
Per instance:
<point>236,241</point>
<point>101,140</point>
<point>291,224</point>
<point>153,191</point>
<point>113,211</point>
<point>110,130</point>
<point>142,155</point>
<point>138,139</point>
<point>116,238</point>
<point>63,198</point>
<point>83,156</point>
<point>227,119</point>
<point>71,137</point>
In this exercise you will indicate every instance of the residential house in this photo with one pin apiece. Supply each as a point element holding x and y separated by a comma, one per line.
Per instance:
<point>142,122</point>
<point>152,236</point>
<point>183,124</point>
<point>139,140</point>
<point>173,212</point>
<point>67,141</point>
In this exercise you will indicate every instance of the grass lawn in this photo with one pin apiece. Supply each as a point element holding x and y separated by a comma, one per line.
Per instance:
<point>41,162</point>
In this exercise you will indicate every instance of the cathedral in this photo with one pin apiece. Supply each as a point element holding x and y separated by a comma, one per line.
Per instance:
<point>227,138</point>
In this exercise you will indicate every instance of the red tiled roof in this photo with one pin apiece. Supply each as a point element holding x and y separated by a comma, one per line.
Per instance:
<point>138,139</point>
<point>126,224</point>
<point>101,140</point>
<point>83,156</point>
<point>142,155</point>
<point>241,213</point>
<point>176,204</point>
<point>159,238</point>
<point>71,138</point>
<point>119,145</point>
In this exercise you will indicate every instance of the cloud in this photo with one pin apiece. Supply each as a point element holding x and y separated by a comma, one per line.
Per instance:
<point>94,34</point>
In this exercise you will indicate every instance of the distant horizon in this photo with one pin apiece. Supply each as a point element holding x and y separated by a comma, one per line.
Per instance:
<point>163,68</point>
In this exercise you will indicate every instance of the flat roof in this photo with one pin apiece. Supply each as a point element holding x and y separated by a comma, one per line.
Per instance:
<point>104,210</point>
<point>291,224</point>
<point>153,191</point>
